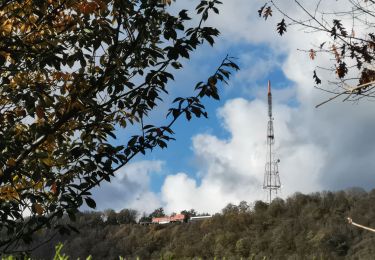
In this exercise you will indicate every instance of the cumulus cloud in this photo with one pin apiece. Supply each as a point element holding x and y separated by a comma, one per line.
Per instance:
<point>130,188</point>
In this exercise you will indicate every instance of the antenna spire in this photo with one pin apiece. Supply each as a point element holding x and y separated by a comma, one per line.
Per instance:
<point>269,100</point>
<point>269,87</point>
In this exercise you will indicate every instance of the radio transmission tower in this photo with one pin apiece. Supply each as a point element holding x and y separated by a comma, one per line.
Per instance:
<point>271,181</point>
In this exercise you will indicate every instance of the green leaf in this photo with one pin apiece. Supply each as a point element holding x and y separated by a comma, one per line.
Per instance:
<point>90,202</point>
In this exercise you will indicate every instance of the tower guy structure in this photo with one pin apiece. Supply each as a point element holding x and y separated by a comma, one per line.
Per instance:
<point>271,181</point>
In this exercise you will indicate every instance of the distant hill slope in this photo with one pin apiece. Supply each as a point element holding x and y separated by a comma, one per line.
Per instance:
<point>301,227</point>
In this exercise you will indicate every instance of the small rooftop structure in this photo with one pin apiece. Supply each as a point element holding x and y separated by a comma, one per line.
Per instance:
<point>169,219</point>
<point>198,218</point>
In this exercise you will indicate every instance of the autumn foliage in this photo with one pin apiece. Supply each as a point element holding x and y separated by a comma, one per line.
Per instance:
<point>72,72</point>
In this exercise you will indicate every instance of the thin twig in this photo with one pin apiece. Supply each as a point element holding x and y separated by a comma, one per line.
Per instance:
<point>350,221</point>
<point>330,99</point>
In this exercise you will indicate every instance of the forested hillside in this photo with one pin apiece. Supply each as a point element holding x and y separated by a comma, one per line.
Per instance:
<point>301,227</point>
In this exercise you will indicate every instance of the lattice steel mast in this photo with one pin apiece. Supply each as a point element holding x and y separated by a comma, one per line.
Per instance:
<point>271,181</point>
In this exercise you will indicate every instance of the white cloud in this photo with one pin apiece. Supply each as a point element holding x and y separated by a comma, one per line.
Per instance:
<point>181,192</point>
<point>130,188</point>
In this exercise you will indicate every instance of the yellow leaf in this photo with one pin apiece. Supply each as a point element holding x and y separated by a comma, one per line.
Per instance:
<point>33,18</point>
<point>15,178</point>
<point>24,28</point>
<point>8,193</point>
<point>19,128</point>
<point>38,208</point>
<point>38,186</point>
<point>47,161</point>
<point>11,162</point>
<point>6,27</point>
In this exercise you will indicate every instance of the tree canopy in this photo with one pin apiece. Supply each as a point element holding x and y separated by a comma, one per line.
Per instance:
<point>71,73</point>
<point>303,226</point>
<point>349,43</point>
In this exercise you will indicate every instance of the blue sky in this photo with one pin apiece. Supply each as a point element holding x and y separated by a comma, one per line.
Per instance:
<point>221,159</point>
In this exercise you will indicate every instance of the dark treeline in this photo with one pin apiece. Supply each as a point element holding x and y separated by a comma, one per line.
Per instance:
<point>301,227</point>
